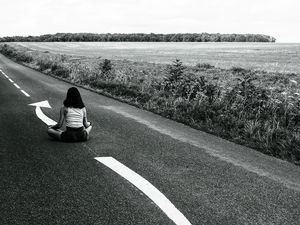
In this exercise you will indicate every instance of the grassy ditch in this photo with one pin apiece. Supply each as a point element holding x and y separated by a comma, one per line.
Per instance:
<point>257,109</point>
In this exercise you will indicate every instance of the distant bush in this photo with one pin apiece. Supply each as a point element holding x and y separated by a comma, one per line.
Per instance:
<point>175,71</point>
<point>201,66</point>
<point>103,70</point>
<point>7,50</point>
<point>60,70</point>
<point>81,73</point>
<point>106,66</point>
<point>238,70</point>
<point>23,57</point>
<point>45,64</point>
<point>175,74</point>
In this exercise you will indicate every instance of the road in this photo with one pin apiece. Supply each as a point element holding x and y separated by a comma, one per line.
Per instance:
<point>209,180</point>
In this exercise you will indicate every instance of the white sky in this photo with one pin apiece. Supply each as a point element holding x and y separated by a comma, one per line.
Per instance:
<point>278,18</point>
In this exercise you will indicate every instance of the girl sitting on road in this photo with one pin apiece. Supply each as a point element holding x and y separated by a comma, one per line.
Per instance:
<point>73,112</point>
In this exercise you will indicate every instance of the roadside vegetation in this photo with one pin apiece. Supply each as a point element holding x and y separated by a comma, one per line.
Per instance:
<point>257,109</point>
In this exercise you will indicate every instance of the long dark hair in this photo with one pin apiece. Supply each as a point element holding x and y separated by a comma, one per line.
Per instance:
<point>73,99</point>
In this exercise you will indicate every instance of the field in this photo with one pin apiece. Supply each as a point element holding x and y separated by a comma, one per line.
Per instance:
<point>256,108</point>
<point>274,57</point>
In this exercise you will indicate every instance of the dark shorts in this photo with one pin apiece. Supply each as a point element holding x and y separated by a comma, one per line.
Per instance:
<point>74,135</point>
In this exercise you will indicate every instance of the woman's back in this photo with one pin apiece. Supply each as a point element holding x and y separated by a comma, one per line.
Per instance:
<point>74,117</point>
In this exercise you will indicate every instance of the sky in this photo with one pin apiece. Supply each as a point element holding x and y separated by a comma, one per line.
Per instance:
<point>278,18</point>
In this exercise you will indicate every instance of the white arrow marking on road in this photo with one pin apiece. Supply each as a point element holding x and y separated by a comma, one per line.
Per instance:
<point>145,186</point>
<point>40,113</point>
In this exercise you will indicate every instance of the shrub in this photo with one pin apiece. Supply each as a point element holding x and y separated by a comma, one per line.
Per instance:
<point>44,64</point>
<point>175,71</point>
<point>103,72</point>
<point>238,70</point>
<point>60,70</point>
<point>106,66</point>
<point>205,66</point>
<point>81,73</point>
<point>7,50</point>
<point>23,57</point>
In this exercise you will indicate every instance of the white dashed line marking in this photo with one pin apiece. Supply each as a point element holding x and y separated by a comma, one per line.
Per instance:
<point>17,86</point>
<point>4,74</point>
<point>24,92</point>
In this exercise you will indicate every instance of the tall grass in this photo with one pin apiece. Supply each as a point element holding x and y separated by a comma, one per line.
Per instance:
<point>254,108</point>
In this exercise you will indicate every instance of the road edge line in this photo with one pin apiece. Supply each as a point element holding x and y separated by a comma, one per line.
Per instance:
<point>147,188</point>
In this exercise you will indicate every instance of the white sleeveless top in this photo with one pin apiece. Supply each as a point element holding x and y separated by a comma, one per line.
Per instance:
<point>74,117</point>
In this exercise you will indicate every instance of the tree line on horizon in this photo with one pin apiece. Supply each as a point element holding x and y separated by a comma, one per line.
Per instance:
<point>141,37</point>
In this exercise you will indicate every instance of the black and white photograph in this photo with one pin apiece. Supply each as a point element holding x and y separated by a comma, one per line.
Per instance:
<point>138,112</point>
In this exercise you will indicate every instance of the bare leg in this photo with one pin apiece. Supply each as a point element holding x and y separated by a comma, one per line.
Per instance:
<point>54,133</point>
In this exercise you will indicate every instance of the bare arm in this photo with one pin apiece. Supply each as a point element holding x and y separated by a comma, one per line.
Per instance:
<point>85,121</point>
<point>61,120</point>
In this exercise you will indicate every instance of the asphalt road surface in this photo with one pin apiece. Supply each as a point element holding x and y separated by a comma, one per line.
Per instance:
<point>208,180</point>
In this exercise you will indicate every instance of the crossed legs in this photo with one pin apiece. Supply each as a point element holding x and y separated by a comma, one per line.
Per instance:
<point>56,134</point>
